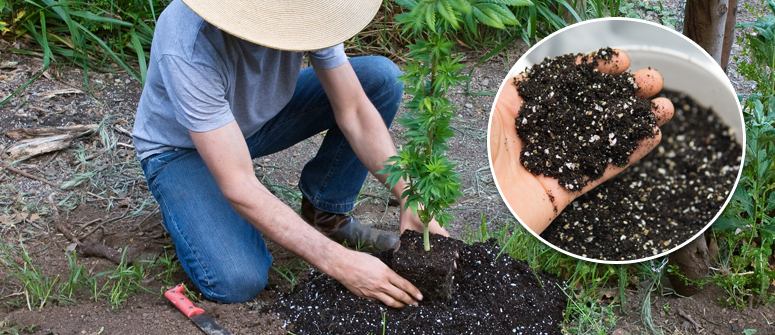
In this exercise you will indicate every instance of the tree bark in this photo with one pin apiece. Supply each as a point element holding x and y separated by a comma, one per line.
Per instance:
<point>729,34</point>
<point>705,23</point>
<point>693,261</point>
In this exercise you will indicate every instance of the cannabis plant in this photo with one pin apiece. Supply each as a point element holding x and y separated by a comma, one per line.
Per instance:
<point>434,68</point>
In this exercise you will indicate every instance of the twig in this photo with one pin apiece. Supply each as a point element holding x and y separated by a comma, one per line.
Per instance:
<point>95,155</point>
<point>51,159</point>
<point>122,130</point>
<point>58,221</point>
<point>689,318</point>
<point>25,174</point>
<point>87,234</point>
<point>140,224</point>
<point>86,224</point>
<point>88,249</point>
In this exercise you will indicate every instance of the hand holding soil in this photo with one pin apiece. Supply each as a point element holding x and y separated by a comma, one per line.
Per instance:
<point>369,278</point>
<point>538,199</point>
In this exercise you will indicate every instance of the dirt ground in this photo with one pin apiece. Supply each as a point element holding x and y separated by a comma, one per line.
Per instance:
<point>109,196</point>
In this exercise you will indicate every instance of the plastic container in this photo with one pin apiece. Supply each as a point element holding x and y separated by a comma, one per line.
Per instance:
<point>683,64</point>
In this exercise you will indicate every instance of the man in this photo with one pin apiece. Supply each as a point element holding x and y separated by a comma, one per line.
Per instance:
<point>221,91</point>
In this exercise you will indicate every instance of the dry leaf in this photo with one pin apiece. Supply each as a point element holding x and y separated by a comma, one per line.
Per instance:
<point>34,217</point>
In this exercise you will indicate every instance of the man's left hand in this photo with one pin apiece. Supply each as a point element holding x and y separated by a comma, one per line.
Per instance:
<point>409,220</point>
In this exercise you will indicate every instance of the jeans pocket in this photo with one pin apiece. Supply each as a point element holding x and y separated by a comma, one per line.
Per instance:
<point>153,165</point>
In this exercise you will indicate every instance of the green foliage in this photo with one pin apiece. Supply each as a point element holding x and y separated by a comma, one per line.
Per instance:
<point>759,46</point>
<point>76,278</point>
<point>96,35</point>
<point>639,9</point>
<point>37,287</point>
<point>433,70</point>
<point>747,228</point>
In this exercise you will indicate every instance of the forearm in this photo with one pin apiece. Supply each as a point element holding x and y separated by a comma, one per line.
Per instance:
<point>369,137</point>
<point>278,222</point>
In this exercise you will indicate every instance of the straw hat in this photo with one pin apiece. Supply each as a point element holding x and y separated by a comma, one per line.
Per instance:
<point>288,24</point>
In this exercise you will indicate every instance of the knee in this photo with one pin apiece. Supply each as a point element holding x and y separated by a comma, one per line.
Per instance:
<point>239,284</point>
<point>382,82</point>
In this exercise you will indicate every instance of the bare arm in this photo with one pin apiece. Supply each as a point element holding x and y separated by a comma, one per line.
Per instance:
<point>226,154</point>
<point>364,129</point>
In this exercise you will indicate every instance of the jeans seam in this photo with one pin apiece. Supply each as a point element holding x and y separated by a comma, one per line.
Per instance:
<point>183,236</point>
<point>328,177</point>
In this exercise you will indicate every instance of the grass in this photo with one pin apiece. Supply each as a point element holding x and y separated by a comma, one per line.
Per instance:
<point>113,286</point>
<point>36,287</point>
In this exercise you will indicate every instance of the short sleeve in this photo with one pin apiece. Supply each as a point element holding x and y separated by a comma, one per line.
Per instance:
<point>328,58</point>
<point>197,93</point>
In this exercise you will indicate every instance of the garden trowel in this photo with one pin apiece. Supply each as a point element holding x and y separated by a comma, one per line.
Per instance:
<point>205,322</point>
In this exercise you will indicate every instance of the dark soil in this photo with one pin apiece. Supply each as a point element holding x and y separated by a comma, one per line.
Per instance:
<point>432,272</point>
<point>576,120</point>
<point>663,200</point>
<point>494,295</point>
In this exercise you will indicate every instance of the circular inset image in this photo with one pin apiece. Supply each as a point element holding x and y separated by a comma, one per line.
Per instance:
<point>616,140</point>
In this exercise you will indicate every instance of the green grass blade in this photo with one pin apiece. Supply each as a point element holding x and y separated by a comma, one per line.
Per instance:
<point>533,21</point>
<point>571,10</point>
<point>140,57</point>
<point>96,18</point>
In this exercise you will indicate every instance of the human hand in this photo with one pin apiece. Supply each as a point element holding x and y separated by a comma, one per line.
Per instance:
<point>410,220</point>
<point>537,200</point>
<point>367,277</point>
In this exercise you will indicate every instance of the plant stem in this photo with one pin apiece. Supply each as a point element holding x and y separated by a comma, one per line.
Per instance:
<point>426,237</point>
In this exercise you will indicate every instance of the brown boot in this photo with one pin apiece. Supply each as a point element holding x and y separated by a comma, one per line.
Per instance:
<point>345,228</point>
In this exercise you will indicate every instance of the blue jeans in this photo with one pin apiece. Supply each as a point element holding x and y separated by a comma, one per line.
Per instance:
<point>226,256</point>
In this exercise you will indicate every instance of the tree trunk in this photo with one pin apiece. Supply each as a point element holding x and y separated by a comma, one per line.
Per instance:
<point>729,34</point>
<point>693,261</point>
<point>706,23</point>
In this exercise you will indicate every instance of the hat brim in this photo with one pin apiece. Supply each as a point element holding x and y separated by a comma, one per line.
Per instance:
<point>286,24</point>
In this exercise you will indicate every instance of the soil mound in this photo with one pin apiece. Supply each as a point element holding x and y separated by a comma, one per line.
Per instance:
<point>493,295</point>
<point>575,120</point>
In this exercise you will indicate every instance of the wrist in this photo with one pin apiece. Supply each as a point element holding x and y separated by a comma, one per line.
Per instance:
<point>332,254</point>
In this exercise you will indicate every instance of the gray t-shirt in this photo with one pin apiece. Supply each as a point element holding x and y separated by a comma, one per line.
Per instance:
<point>200,78</point>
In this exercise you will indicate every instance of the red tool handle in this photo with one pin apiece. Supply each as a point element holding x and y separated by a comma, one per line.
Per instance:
<point>176,297</point>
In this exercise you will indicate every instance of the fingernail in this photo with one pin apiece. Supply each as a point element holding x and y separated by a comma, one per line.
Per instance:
<point>419,296</point>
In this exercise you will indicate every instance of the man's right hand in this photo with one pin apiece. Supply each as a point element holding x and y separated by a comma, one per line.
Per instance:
<point>369,278</point>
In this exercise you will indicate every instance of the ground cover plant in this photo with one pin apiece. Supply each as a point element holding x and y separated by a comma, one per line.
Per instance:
<point>575,120</point>
<point>746,231</point>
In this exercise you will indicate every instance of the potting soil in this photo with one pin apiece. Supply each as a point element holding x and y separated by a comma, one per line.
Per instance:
<point>661,201</point>
<point>493,295</point>
<point>576,120</point>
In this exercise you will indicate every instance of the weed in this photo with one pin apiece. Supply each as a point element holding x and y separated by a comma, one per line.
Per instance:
<point>37,287</point>
<point>588,316</point>
<point>290,271</point>
<point>640,9</point>
<point>746,229</point>
<point>170,266</point>
<point>75,280</point>
<point>12,328</point>
<point>654,271</point>
<point>128,278</point>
